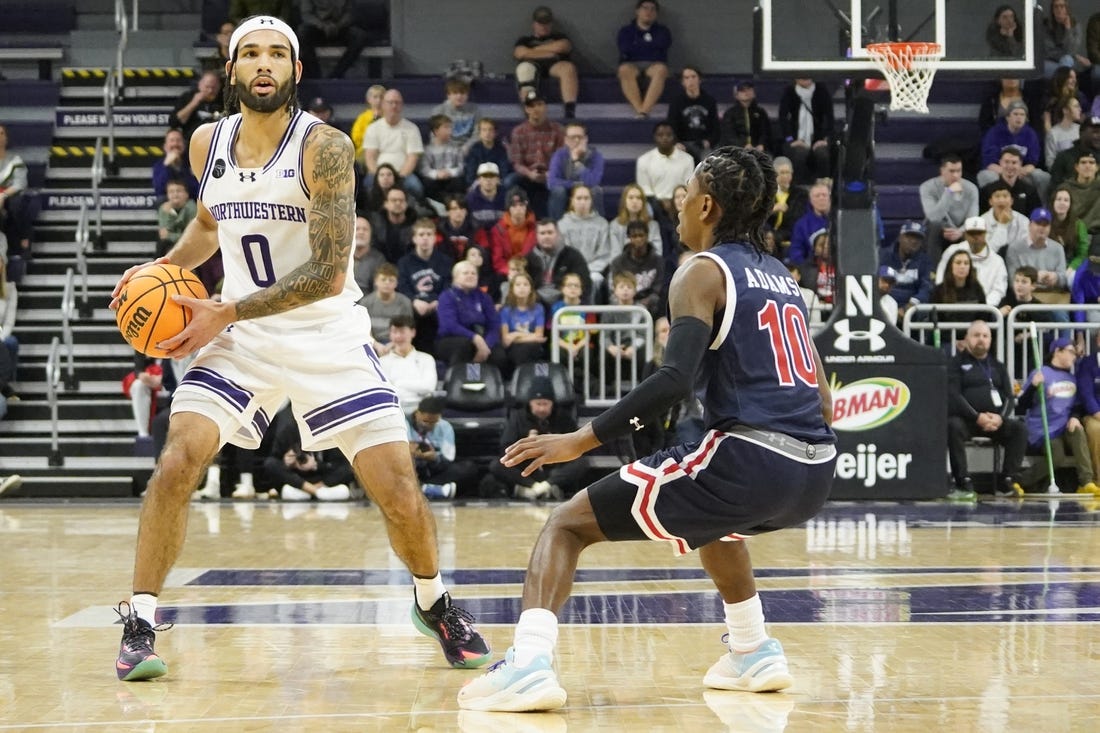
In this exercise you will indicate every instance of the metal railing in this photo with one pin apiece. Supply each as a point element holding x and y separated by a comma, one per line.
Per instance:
<point>83,241</point>
<point>67,307</point>
<point>53,378</point>
<point>605,392</point>
<point>1019,359</point>
<point>98,173</point>
<point>929,321</point>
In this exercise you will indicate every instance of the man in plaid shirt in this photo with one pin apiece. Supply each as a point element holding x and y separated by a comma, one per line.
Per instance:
<point>533,143</point>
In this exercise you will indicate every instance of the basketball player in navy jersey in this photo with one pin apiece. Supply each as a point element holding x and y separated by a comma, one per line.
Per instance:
<point>766,462</point>
<point>277,197</point>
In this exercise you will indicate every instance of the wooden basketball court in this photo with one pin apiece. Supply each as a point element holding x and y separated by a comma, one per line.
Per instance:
<point>289,617</point>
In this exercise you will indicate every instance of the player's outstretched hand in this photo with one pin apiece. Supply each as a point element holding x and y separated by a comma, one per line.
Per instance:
<point>208,318</point>
<point>549,448</point>
<point>126,278</point>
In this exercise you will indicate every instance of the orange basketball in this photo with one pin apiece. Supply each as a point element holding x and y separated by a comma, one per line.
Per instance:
<point>147,314</point>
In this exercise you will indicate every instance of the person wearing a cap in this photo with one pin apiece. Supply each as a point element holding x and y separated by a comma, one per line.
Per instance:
<point>1089,140</point>
<point>1004,223</point>
<point>1046,256</point>
<point>947,201</point>
<point>330,23</point>
<point>989,268</point>
<point>533,143</point>
<point>486,199</point>
<point>911,266</point>
<point>694,115</point>
<point>285,329</point>
<point>395,140</point>
<point>1013,130</point>
<point>746,123</point>
<point>321,109</point>
<point>488,149</point>
<point>540,415</point>
<point>514,234</point>
<point>1064,410</point>
<point>643,49</point>
<point>1025,196</point>
<point>806,124</point>
<point>887,276</point>
<point>1084,189</point>
<point>546,51</point>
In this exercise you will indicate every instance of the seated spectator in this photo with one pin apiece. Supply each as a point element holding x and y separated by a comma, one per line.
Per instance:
<point>516,266</point>
<point>1068,231</point>
<point>746,124</point>
<point>487,149</point>
<point>1046,256</point>
<point>1061,88</point>
<point>694,115</point>
<point>365,258</point>
<point>488,281</point>
<point>1063,134</point>
<point>1022,292</point>
<point>422,275</point>
<point>331,23</point>
<point>981,401</point>
<point>174,215</point>
<point>575,163</point>
<point>1063,40</point>
<point>805,126</point>
<point>671,245</point>
<point>440,168</point>
<point>523,322</point>
<point>1088,141</point>
<point>485,199</point>
<point>995,104</point>
<point>143,384</point>
<point>19,205</point>
<point>411,372</point>
<point>1084,190</point>
<point>1004,35</point>
<point>514,234</point>
<point>1062,424</point>
<point>463,114</point>
<point>546,51</point>
<point>395,140</point>
<point>1086,283</point>
<point>384,304</point>
<point>572,343</point>
<point>982,264</point>
<point>540,415</point>
<point>1013,132</point>
<point>813,220</point>
<point>887,276</point>
<point>640,258</point>
<point>1004,224</point>
<point>392,227</point>
<point>790,204</point>
<point>660,170</point>
<point>632,207</point>
<point>373,198</point>
<point>469,325</point>
<point>912,268</point>
<point>960,285</point>
<point>533,144</point>
<point>625,347</point>
<point>323,111</point>
<point>9,344</point>
<point>1011,165</point>
<point>643,48</point>
<point>587,232</point>
<point>456,228</point>
<point>432,442</point>
<point>174,165</point>
<point>1088,390</point>
<point>216,60</point>
<point>198,105</point>
<point>819,272</point>
<point>551,259</point>
<point>370,113</point>
<point>301,475</point>
<point>947,201</point>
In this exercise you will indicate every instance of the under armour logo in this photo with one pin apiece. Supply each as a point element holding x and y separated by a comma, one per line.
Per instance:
<point>873,335</point>
<point>637,423</point>
<point>267,21</point>
<point>250,176</point>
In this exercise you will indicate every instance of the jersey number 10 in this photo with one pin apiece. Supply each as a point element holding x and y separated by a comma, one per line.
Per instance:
<point>790,340</point>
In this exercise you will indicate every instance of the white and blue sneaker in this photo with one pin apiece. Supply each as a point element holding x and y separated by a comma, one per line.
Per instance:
<point>763,670</point>
<point>507,688</point>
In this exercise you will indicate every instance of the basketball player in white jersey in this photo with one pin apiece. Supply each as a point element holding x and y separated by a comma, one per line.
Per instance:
<point>277,197</point>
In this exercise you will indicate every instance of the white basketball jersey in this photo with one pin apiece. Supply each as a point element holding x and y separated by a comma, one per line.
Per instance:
<point>262,223</point>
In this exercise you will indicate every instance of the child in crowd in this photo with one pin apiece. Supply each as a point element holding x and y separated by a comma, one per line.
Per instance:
<point>423,274</point>
<point>516,266</point>
<point>644,261</point>
<point>574,342</point>
<point>383,304</point>
<point>456,229</point>
<point>174,215</point>
<point>523,322</point>
<point>464,115</point>
<point>626,347</point>
<point>441,164</point>
<point>487,149</point>
<point>485,199</point>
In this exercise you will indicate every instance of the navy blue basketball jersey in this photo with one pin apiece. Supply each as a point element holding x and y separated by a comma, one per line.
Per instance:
<point>760,368</point>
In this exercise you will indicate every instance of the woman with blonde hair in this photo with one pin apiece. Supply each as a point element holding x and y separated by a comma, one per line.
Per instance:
<point>633,207</point>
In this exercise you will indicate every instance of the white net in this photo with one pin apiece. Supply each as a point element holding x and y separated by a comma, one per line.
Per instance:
<point>909,68</point>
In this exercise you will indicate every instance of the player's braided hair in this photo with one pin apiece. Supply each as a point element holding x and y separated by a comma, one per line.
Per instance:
<point>742,181</point>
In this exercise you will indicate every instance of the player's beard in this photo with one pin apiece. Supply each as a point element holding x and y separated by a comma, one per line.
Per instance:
<point>272,102</point>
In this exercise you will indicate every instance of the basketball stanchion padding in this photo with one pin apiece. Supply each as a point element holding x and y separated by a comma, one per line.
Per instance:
<point>909,67</point>
<point>147,314</point>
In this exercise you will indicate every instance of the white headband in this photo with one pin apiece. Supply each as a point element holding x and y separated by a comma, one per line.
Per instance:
<point>261,23</point>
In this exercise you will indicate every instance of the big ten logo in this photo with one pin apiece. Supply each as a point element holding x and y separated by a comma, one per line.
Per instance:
<point>859,323</point>
<point>137,322</point>
<point>868,467</point>
<point>866,538</point>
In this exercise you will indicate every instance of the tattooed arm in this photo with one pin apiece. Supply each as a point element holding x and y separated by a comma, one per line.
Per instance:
<point>328,166</point>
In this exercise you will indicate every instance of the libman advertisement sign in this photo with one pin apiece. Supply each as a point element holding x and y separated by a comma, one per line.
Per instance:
<point>889,401</point>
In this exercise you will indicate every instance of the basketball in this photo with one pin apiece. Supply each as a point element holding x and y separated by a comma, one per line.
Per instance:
<point>147,314</point>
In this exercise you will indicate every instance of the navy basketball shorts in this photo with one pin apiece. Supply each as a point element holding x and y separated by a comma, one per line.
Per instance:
<point>729,485</point>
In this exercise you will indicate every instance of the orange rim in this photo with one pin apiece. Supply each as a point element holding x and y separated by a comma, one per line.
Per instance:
<point>900,54</point>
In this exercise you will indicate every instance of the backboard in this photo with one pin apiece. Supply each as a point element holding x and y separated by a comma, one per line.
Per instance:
<point>816,38</point>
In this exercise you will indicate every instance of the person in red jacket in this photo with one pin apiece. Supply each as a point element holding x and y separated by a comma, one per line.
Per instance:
<point>514,234</point>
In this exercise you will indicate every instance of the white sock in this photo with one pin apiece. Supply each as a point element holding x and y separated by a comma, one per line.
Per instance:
<point>146,606</point>
<point>214,477</point>
<point>428,591</point>
<point>536,634</point>
<point>246,479</point>
<point>745,623</point>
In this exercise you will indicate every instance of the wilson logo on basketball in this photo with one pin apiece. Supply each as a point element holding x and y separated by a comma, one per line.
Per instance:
<point>868,403</point>
<point>137,322</point>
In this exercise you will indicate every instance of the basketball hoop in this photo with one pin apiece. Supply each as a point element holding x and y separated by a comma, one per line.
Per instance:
<point>909,68</point>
